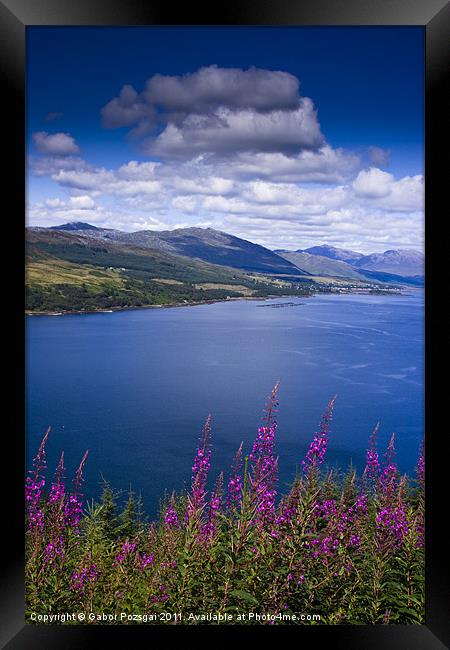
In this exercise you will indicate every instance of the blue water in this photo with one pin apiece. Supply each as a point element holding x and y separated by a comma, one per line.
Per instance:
<point>134,387</point>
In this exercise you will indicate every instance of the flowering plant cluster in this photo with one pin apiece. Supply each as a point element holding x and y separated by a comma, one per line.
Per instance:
<point>349,548</point>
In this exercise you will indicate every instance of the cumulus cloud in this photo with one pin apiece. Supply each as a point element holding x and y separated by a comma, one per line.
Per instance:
<point>325,165</point>
<point>105,181</point>
<point>373,183</point>
<point>55,144</point>
<point>381,189</point>
<point>218,110</point>
<point>82,202</point>
<point>212,87</point>
<point>379,157</point>
<point>237,150</point>
<point>48,165</point>
<point>373,208</point>
<point>129,109</point>
<point>230,132</point>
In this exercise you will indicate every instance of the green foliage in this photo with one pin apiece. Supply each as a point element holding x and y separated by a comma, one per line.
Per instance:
<point>156,568</point>
<point>92,277</point>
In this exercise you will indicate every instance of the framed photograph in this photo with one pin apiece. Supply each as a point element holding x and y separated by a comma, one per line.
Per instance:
<point>227,400</point>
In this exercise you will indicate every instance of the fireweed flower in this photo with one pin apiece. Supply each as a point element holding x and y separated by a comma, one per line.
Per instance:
<point>420,470</point>
<point>34,486</point>
<point>161,597</point>
<point>127,549</point>
<point>263,473</point>
<point>73,505</point>
<point>215,505</point>
<point>361,504</point>
<point>146,560</point>
<point>372,460</point>
<point>72,511</point>
<point>355,540</point>
<point>54,551</point>
<point>391,522</point>
<point>83,577</point>
<point>234,489</point>
<point>200,468</point>
<point>57,491</point>
<point>388,476</point>
<point>170,516</point>
<point>316,452</point>
<point>420,518</point>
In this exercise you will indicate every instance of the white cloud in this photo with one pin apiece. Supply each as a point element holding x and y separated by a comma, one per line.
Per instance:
<point>211,87</point>
<point>220,111</point>
<point>231,131</point>
<point>378,156</point>
<point>373,183</point>
<point>82,202</point>
<point>382,190</point>
<point>241,151</point>
<point>55,144</point>
<point>373,212</point>
<point>326,165</point>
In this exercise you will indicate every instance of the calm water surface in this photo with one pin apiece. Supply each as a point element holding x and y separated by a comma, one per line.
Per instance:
<point>135,387</point>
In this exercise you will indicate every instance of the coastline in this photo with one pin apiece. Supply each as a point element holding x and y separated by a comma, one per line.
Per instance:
<point>397,292</point>
<point>166,306</point>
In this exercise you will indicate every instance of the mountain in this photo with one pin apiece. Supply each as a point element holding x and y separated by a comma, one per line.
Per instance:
<point>206,244</point>
<point>333,253</point>
<point>76,269</point>
<point>321,266</point>
<point>392,278</point>
<point>391,266</point>
<point>399,262</point>
<point>75,226</point>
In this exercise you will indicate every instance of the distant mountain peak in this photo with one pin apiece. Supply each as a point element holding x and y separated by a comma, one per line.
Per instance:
<point>75,225</point>
<point>333,253</point>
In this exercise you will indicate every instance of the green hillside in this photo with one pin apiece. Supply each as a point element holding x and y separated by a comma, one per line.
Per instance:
<point>68,272</point>
<point>319,265</point>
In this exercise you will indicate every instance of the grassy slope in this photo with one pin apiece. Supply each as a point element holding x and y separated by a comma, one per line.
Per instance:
<point>322,266</point>
<point>68,272</point>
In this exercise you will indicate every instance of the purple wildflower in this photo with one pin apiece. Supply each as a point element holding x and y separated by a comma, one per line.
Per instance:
<point>34,485</point>
<point>372,460</point>
<point>161,597</point>
<point>316,452</point>
<point>73,505</point>
<point>57,491</point>
<point>127,549</point>
<point>81,578</point>
<point>200,468</point>
<point>361,504</point>
<point>54,550</point>
<point>388,476</point>
<point>393,522</point>
<point>146,560</point>
<point>234,490</point>
<point>264,470</point>
<point>171,516</point>
<point>420,471</point>
<point>355,540</point>
<point>264,464</point>
<point>215,504</point>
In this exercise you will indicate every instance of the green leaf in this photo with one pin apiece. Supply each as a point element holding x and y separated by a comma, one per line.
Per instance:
<point>244,595</point>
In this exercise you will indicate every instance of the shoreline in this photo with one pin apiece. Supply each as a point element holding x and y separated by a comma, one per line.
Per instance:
<point>167,306</point>
<point>111,310</point>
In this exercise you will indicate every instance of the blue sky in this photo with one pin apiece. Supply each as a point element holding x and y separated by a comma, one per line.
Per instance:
<point>286,136</point>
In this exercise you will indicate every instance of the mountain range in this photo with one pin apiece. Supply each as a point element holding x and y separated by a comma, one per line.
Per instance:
<point>80,266</point>
<point>404,265</point>
<point>206,244</point>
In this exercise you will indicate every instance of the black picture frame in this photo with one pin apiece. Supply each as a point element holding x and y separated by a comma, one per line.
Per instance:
<point>15,17</point>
